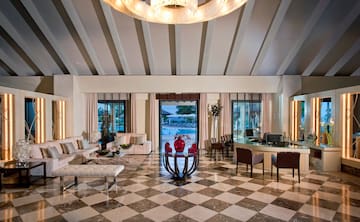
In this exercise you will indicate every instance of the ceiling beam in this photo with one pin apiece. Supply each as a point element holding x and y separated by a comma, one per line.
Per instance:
<point>5,23</point>
<point>147,37</point>
<point>311,22</point>
<point>328,45</point>
<point>71,11</point>
<point>14,67</point>
<point>31,8</point>
<point>344,59</point>
<point>271,34</point>
<point>357,72</point>
<point>115,36</point>
<point>245,20</point>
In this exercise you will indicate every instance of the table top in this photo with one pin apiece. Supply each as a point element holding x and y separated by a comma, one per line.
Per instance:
<point>180,154</point>
<point>23,165</point>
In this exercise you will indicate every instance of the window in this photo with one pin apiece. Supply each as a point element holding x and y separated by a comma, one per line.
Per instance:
<point>111,117</point>
<point>246,116</point>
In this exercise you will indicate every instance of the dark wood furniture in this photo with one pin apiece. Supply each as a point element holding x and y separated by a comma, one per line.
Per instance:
<point>249,158</point>
<point>20,167</point>
<point>286,160</point>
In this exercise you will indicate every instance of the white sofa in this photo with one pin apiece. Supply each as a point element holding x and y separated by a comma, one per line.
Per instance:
<point>139,144</point>
<point>64,159</point>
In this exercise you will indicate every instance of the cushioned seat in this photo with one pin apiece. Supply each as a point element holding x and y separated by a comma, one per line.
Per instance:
<point>286,160</point>
<point>248,157</point>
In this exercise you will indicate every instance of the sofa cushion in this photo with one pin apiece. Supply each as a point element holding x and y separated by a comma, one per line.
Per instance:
<point>67,148</point>
<point>121,140</point>
<point>44,152</point>
<point>138,139</point>
<point>80,144</point>
<point>53,152</point>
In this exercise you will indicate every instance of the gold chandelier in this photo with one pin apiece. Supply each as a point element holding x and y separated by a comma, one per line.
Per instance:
<point>175,11</point>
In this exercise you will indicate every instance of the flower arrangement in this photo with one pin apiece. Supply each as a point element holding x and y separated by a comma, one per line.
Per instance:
<point>215,109</point>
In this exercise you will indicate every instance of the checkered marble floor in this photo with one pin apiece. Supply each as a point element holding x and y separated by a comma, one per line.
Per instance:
<point>213,193</point>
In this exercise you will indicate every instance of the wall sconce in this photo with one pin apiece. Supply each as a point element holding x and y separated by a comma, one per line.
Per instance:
<point>40,120</point>
<point>7,121</point>
<point>60,119</point>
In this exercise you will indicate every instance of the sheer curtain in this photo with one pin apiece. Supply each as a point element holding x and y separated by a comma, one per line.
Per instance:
<point>225,115</point>
<point>152,113</point>
<point>91,117</point>
<point>203,120</point>
<point>133,112</point>
<point>266,113</point>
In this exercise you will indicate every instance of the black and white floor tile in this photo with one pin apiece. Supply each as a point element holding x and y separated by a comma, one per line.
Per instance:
<point>213,193</point>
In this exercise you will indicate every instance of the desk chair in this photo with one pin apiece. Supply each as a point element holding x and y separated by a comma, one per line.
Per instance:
<point>248,157</point>
<point>286,160</point>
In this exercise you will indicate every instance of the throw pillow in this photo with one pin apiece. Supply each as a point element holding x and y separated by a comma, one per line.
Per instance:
<point>86,144</point>
<point>53,152</point>
<point>44,152</point>
<point>67,148</point>
<point>80,144</point>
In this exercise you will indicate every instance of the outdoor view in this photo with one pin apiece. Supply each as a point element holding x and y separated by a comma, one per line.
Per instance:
<point>111,118</point>
<point>178,118</point>
<point>246,117</point>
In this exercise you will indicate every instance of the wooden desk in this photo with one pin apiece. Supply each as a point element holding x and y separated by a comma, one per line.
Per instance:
<point>269,150</point>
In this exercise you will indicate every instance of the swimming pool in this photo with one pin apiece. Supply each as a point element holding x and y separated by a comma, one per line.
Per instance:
<point>173,131</point>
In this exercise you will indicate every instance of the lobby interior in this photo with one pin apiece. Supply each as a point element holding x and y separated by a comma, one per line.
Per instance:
<point>299,61</point>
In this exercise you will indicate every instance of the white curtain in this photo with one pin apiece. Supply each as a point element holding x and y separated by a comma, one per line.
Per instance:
<point>203,120</point>
<point>133,113</point>
<point>91,117</point>
<point>152,113</point>
<point>225,114</point>
<point>266,113</point>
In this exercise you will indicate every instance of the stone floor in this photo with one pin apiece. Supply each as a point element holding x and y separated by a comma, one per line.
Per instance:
<point>213,193</point>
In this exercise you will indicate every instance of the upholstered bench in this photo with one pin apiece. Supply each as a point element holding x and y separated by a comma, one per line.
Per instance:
<point>88,171</point>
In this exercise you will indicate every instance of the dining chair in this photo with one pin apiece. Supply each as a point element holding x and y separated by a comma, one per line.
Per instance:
<point>248,157</point>
<point>286,160</point>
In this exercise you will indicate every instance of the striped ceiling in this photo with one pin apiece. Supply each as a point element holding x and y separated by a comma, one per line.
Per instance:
<point>264,37</point>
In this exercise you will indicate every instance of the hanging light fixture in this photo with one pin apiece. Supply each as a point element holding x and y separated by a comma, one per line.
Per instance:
<point>175,11</point>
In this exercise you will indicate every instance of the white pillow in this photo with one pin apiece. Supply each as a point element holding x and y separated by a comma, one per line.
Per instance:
<point>121,140</point>
<point>86,144</point>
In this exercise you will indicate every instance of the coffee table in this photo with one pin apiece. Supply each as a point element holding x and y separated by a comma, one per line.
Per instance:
<point>94,157</point>
<point>13,166</point>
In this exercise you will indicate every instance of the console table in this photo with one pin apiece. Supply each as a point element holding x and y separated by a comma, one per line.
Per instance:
<point>13,166</point>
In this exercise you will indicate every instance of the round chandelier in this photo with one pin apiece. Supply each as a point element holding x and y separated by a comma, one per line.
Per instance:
<point>175,11</point>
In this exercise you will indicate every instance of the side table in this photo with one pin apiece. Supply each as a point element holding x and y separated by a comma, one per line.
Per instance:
<point>19,167</point>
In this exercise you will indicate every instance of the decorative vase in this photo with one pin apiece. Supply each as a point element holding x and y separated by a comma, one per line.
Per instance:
<point>22,151</point>
<point>214,127</point>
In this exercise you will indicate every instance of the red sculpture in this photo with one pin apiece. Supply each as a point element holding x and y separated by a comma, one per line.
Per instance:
<point>168,149</point>
<point>179,144</point>
<point>193,148</point>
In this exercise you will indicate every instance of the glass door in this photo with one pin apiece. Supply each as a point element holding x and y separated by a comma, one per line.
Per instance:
<point>178,118</point>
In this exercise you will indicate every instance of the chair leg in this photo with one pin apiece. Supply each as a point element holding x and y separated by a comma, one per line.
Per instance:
<point>237,164</point>
<point>247,167</point>
<point>277,174</point>
<point>293,172</point>
<point>299,175</point>
<point>271,169</point>
<point>263,167</point>
<point>251,170</point>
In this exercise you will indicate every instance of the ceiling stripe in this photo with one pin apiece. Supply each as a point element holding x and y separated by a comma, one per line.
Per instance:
<point>172,43</point>
<point>271,34</point>
<point>7,64</point>
<point>22,45</point>
<point>315,16</point>
<point>144,51</point>
<point>202,46</point>
<point>98,6</point>
<point>19,50</point>
<point>357,72</point>
<point>115,36</point>
<point>344,59</point>
<point>74,34</point>
<point>245,19</point>
<point>51,44</point>
<point>338,32</point>
<point>75,19</point>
